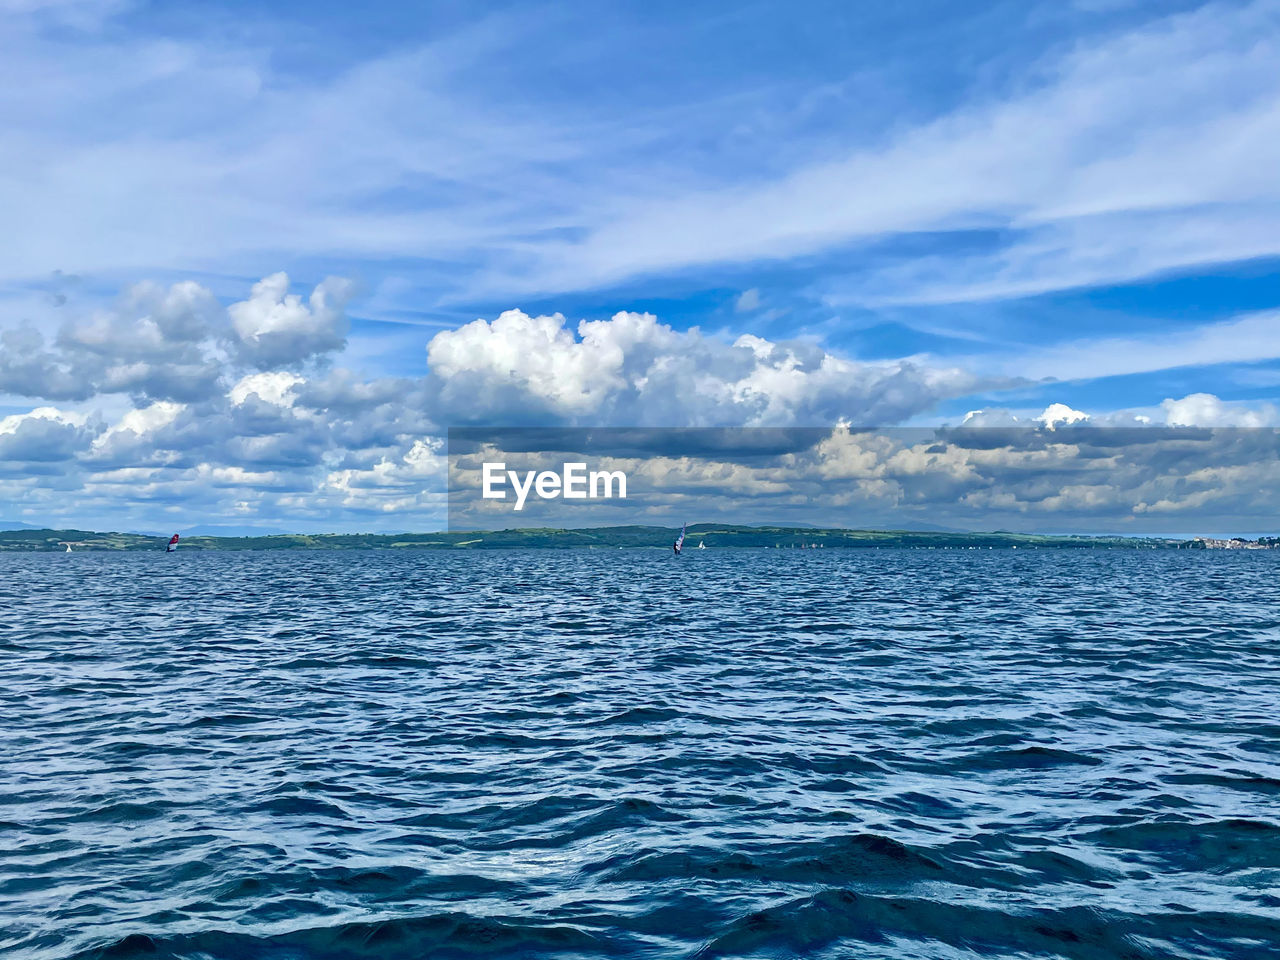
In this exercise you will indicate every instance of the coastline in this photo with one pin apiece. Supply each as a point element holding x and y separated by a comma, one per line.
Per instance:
<point>717,536</point>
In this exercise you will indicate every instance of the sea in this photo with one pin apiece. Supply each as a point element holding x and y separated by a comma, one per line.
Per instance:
<point>893,753</point>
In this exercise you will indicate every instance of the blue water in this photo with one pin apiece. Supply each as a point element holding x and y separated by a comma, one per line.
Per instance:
<point>879,754</point>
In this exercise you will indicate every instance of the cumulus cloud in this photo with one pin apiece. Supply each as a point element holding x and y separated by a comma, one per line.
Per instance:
<point>275,387</point>
<point>173,343</point>
<point>28,369</point>
<point>170,401</point>
<point>1206,410</point>
<point>45,435</point>
<point>275,328</point>
<point>1057,413</point>
<point>1052,415</point>
<point>1192,410</point>
<point>139,428</point>
<point>632,369</point>
<point>239,405</point>
<point>183,401</point>
<point>411,482</point>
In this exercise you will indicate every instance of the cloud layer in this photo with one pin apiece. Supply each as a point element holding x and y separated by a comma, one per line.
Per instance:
<point>1110,155</point>
<point>172,408</point>
<point>1059,473</point>
<point>172,405</point>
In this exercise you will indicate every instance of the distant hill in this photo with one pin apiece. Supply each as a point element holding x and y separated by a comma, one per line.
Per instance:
<point>716,536</point>
<point>230,530</point>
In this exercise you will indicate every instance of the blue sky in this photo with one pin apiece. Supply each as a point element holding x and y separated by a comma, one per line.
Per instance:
<point>954,207</point>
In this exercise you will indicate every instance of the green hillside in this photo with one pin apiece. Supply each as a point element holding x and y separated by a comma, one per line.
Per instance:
<point>716,536</point>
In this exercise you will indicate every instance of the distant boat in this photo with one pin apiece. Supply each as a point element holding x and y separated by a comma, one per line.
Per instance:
<point>702,544</point>
<point>679,544</point>
<point>68,548</point>
<point>173,544</point>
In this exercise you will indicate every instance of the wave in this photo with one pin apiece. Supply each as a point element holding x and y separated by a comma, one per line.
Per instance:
<point>1027,758</point>
<point>807,925</point>
<point>864,856</point>
<point>456,934</point>
<point>1218,846</point>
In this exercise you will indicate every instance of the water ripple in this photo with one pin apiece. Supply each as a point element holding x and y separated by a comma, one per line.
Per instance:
<point>882,754</point>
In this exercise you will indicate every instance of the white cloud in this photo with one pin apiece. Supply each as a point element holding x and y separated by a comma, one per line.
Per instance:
<point>147,419</point>
<point>1193,410</point>
<point>12,424</point>
<point>155,342</point>
<point>747,301</point>
<point>1147,151</point>
<point>135,434</point>
<point>175,343</point>
<point>215,154</point>
<point>237,477</point>
<point>1206,410</point>
<point>275,327</point>
<point>1245,339</point>
<point>632,369</point>
<point>1060,413</point>
<point>414,481</point>
<point>173,410</point>
<point>296,440</point>
<point>990,418</point>
<point>80,14</point>
<point>274,386</point>
<point>1126,155</point>
<point>45,435</point>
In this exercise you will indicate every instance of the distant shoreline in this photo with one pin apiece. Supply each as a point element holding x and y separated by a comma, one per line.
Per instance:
<point>715,536</point>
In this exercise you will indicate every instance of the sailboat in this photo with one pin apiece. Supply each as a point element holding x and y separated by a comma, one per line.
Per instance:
<point>679,544</point>
<point>68,548</point>
<point>173,544</point>
<point>702,544</point>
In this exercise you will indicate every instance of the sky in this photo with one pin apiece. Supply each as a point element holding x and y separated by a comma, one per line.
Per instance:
<point>258,258</point>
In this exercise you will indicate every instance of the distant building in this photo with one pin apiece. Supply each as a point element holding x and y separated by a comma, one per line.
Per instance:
<point>1238,543</point>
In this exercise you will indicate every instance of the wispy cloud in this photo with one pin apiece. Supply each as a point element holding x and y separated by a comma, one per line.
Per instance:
<point>747,301</point>
<point>1145,151</point>
<point>213,157</point>
<point>1248,339</point>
